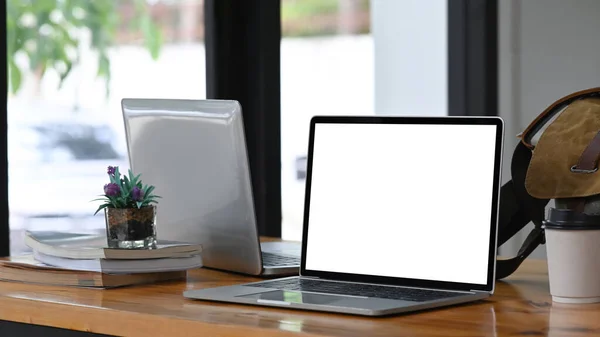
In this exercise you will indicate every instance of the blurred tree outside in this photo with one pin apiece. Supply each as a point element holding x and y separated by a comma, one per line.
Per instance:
<point>305,18</point>
<point>49,33</point>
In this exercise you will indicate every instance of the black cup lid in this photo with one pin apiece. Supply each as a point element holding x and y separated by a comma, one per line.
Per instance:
<point>567,219</point>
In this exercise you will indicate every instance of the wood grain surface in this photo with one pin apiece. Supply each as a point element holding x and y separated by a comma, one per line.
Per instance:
<point>521,306</point>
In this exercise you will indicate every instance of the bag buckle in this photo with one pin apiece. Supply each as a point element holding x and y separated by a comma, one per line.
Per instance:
<point>574,169</point>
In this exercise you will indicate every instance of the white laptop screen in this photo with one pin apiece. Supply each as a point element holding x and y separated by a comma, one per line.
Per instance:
<point>402,200</point>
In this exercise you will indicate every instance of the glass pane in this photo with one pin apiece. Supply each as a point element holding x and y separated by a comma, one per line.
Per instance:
<point>70,64</point>
<point>354,57</point>
<point>326,68</point>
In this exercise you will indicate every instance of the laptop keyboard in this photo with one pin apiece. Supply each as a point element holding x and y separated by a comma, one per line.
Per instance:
<point>356,289</point>
<point>276,260</point>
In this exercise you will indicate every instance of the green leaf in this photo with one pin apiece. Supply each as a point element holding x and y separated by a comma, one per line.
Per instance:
<point>134,180</point>
<point>100,208</point>
<point>139,204</point>
<point>116,178</point>
<point>127,183</point>
<point>15,76</point>
<point>153,37</point>
<point>65,74</point>
<point>152,198</point>
<point>103,66</point>
<point>114,202</point>
<point>149,191</point>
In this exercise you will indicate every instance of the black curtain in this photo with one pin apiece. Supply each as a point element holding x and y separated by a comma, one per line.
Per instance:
<point>4,230</point>
<point>473,57</point>
<point>243,63</point>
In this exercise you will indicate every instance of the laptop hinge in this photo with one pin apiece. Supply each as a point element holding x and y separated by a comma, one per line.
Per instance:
<point>317,278</point>
<point>310,277</point>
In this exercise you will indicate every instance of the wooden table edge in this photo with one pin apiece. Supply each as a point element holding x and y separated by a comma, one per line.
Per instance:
<point>101,321</point>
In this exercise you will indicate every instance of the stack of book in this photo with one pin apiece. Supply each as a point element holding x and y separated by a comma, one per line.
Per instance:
<point>84,260</point>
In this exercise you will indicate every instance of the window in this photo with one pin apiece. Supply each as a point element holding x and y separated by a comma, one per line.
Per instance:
<point>69,71</point>
<point>69,68</point>
<point>354,57</point>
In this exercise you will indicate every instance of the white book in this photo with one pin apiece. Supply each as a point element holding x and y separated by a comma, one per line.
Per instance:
<point>122,266</point>
<point>26,269</point>
<point>94,246</point>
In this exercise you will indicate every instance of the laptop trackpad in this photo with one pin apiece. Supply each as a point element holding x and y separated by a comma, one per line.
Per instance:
<point>279,296</point>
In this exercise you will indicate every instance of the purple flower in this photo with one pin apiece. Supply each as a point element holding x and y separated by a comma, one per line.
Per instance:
<point>136,194</point>
<point>111,170</point>
<point>112,190</point>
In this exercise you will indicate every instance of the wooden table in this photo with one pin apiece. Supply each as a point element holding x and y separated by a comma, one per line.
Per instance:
<point>520,307</point>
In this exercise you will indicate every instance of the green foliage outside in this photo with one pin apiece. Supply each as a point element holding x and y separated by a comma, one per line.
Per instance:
<point>303,18</point>
<point>48,33</point>
<point>304,9</point>
<point>297,17</point>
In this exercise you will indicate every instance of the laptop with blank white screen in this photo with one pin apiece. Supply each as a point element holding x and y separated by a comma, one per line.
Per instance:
<point>400,215</point>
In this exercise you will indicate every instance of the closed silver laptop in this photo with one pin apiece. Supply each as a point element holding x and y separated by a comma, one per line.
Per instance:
<point>400,215</point>
<point>194,152</point>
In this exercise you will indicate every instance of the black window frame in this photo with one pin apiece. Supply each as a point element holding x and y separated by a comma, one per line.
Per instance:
<point>242,40</point>
<point>473,57</point>
<point>4,225</point>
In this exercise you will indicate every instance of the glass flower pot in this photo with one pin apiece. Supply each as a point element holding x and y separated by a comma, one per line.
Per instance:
<point>131,228</point>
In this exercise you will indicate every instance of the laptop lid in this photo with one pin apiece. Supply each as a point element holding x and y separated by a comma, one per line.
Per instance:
<point>194,152</point>
<point>409,201</point>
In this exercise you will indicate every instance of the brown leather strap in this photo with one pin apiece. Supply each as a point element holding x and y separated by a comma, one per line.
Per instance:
<point>588,161</point>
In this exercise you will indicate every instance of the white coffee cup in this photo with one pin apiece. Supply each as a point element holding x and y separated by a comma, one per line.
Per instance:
<point>573,250</point>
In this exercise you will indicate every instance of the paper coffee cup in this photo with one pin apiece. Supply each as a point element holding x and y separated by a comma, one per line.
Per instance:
<point>573,252</point>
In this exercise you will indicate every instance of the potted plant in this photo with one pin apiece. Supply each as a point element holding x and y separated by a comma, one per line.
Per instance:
<point>129,211</point>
